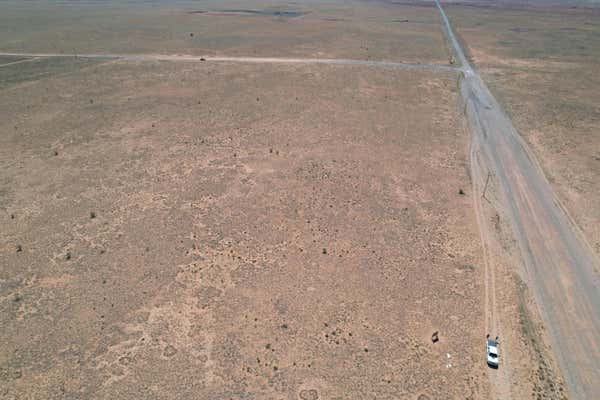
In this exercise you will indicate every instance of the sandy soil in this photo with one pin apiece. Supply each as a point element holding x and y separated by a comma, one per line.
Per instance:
<point>236,231</point>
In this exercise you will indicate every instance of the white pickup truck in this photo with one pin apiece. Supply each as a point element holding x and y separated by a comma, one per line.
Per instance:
<point>491,351</point>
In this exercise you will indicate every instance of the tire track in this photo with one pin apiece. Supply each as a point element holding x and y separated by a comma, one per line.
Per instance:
<point>18,62</point>
<point>499,379</point>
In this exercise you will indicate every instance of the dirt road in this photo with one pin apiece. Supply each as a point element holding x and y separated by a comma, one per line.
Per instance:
<point>560,266</point>
<point>268,60</point>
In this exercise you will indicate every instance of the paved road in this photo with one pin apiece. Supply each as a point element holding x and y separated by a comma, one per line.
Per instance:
<point>561,268</point>
<point>275,60</point>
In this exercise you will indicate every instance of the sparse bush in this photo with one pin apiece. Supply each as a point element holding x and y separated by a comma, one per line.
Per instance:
<point>461,192</point>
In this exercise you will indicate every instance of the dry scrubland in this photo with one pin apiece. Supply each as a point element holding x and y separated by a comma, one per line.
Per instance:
<point>219,230</point>
<point>257,232</point>
<point>544,66</point>
<point>326,29</point>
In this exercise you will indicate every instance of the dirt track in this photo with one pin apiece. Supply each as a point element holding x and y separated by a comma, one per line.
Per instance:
<point>560,265</point>
<point>253,60</point>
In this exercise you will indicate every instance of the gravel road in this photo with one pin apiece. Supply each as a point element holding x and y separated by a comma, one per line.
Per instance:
<point>561,268</point>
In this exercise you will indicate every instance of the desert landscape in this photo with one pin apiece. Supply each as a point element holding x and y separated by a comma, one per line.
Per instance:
<point>257,200</point>
<point>325,29</point>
